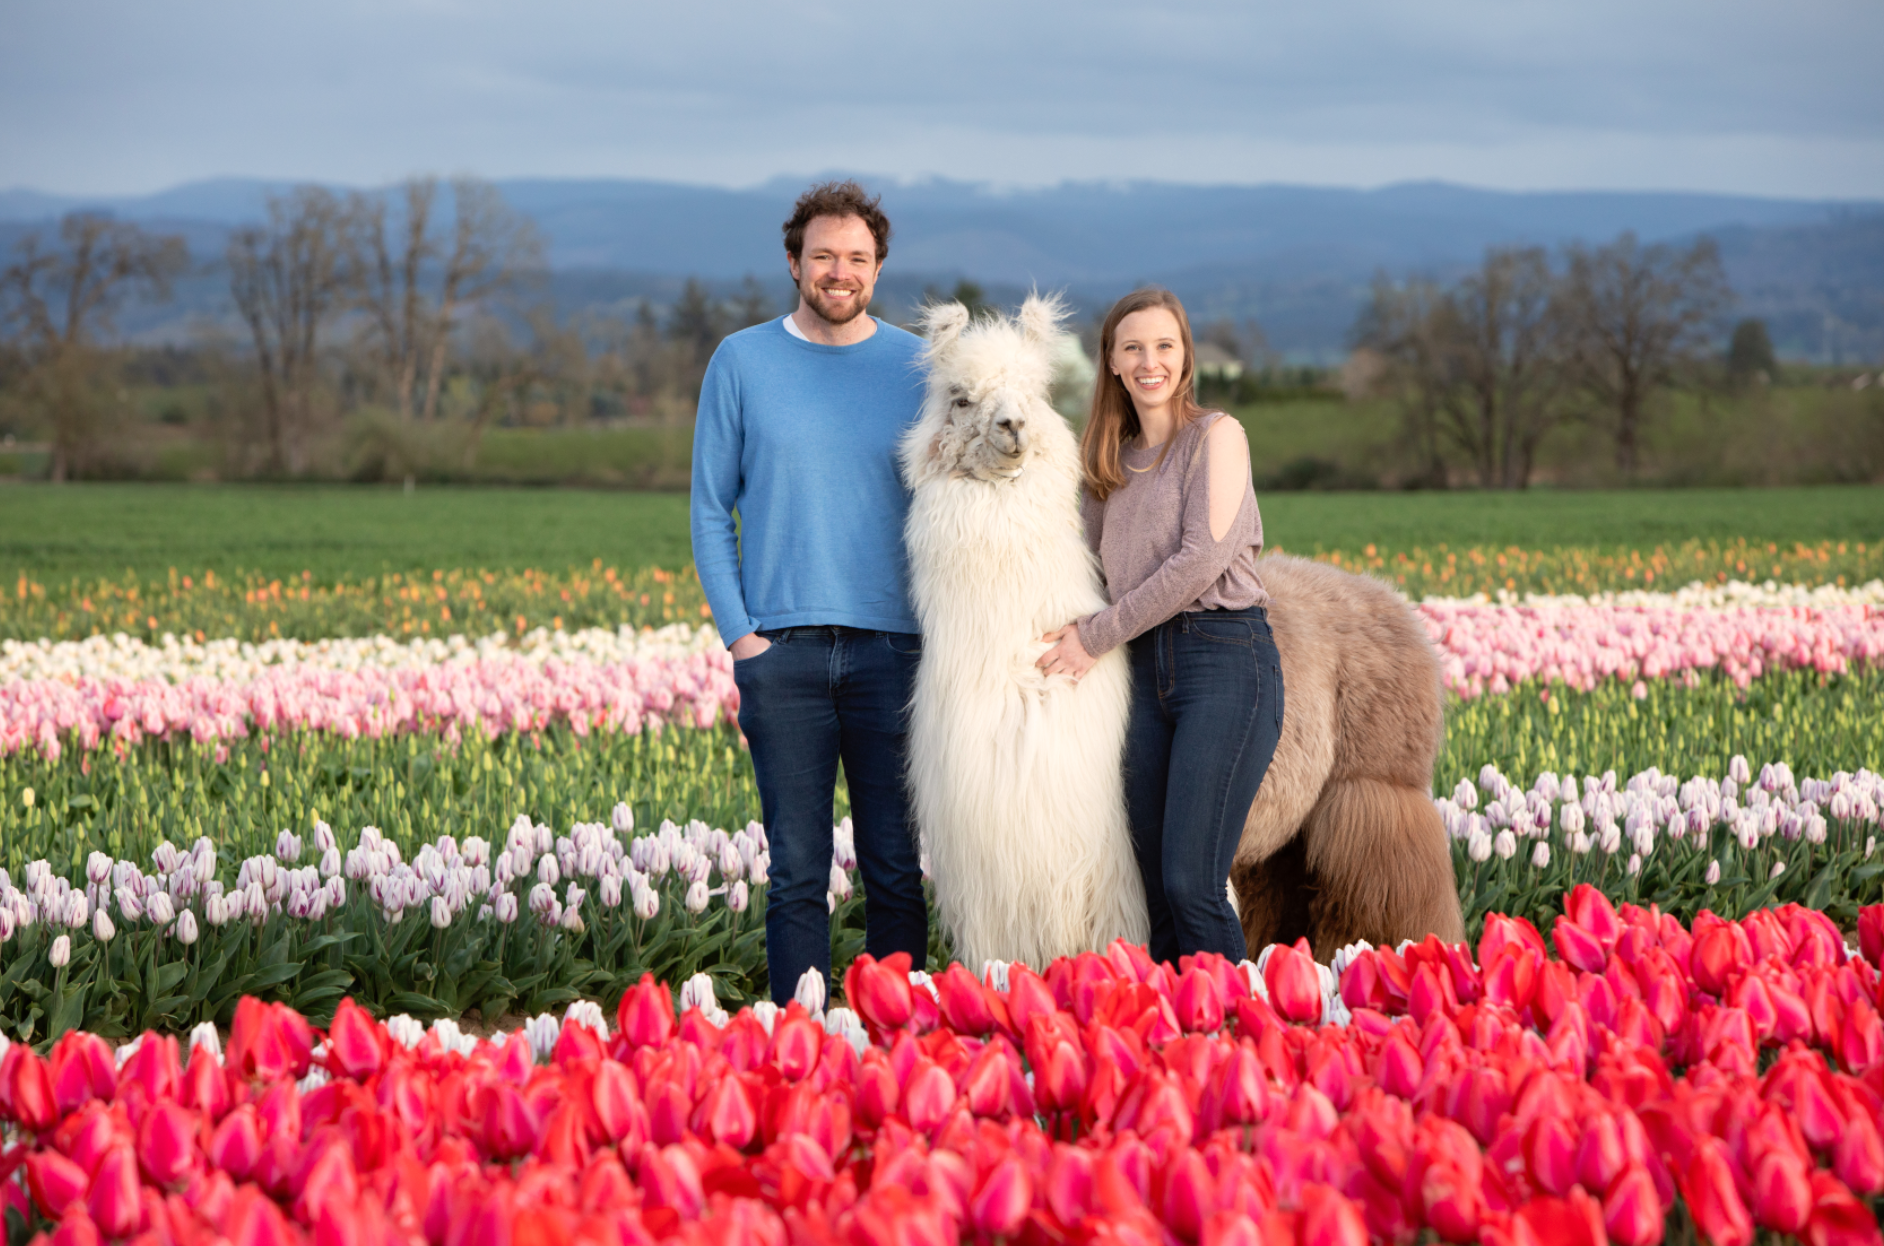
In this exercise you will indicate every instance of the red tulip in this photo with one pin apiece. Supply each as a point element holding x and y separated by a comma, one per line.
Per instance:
<point>645,1017</point>
<point>1861,1037</point>
<point>670,1178</point>
<point>153,1067</point>
<point>928,1096</point>
<point>1550,1154</point>
<point>1198,1002</point>
<point>1839,1219</point>
<point>1871,934</point>
<point>1721,953</point>
<point>966,1003</point>
<point>1712,1198</point>
<point>356,1044</point>
<point>1591,909</point>
<point>879,1092</point>
<point>731,1115</point>
<point>268,1041</point>
<point>77,1229</point>
<point>879,990</point>
<point>113,1201</point>
<point>617,1103</point>
<point>1575,1220</point>
<point>30,1094</point>
<point>1328,1218</point>
<point>236,1145</point>
<point>1577,947</point>
<point>166,1142</point>
<point>55,1182</point>
<point>1600,1157</point>
<point>254,1220</point>
<point>1364,985</point>
<point>1632,1211</point>
<point>510,1126</point>
<point>1782,1192</point>
<point>1858,1158</point>
<point>82,1068</point>
<point>1060,1080</point>
<point>1001,1202</point>
<point>1293,982</point>
<point>1068,1187</point>
<point>205,1088</point>
<point>1237,1092</point>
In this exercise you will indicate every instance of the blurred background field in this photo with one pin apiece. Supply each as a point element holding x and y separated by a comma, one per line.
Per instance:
<point>53,536</point>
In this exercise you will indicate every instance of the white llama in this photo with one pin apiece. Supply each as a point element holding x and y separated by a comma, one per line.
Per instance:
<point>1015,776</point>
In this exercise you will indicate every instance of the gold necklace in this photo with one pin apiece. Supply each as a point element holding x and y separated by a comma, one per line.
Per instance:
<point>1141,470</point>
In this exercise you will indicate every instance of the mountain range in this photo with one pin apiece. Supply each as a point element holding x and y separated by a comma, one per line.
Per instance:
<point>1296,260</point>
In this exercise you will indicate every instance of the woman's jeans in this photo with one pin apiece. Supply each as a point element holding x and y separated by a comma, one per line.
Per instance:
<point>817,695</point>
<point>1206,716</point>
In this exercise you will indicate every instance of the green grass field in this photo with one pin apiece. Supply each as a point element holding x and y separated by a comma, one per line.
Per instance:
<point>53,534</point>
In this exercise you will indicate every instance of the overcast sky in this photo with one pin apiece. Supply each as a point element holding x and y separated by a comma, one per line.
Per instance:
<point>1774,97</point>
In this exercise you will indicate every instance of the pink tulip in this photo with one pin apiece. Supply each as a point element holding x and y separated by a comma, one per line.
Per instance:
<point>166,1142</point>
<point>645,1016</point>
<point>113,1202</point>
<point>1712,1198</point>
<point>879,991</point>
<point>55,1182</point>
<point>1001,1202</point>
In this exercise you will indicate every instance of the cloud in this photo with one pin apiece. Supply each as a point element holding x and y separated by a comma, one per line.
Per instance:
<point>109,95</point>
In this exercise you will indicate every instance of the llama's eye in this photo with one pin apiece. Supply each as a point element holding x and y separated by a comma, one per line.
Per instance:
<point>962,404</point>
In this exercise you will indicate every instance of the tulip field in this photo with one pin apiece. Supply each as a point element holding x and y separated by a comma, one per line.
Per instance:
<point>430,905</point>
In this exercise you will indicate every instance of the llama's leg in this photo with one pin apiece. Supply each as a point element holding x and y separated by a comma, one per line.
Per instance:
<point>1383,865</point>
<point>1272,897</point>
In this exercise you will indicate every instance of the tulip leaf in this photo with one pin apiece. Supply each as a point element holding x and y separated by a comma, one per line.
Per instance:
<point>68,1011</point>
<point>273,975</point>
<point>416,1004</point>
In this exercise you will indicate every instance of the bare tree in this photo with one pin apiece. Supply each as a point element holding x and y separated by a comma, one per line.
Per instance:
<point>1633,317</point>
<point>1478,366</point>
<point>1503,327</point>
<point>64,302</point>
<point>416,288</point>
<point>289,279</point>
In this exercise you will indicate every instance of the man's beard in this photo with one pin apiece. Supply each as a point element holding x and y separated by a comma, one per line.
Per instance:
<point>840,315</point>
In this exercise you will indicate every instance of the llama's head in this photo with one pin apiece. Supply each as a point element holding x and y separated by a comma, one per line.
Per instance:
<point>987,414</point>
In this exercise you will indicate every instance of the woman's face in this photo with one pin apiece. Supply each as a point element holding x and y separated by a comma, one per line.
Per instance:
<point>1148,355</point>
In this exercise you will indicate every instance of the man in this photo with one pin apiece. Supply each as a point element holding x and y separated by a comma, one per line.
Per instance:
<point>797,434</point>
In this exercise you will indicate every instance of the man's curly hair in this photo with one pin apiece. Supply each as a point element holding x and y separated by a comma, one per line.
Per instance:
<point>845,198</point>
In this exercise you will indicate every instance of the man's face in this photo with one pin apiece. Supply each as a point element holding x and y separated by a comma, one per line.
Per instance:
<point>837,273</point>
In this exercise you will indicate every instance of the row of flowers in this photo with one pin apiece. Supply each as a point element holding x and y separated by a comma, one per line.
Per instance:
<point>526,914</point>
<point>121,691</point>
<point>1500,1096</point>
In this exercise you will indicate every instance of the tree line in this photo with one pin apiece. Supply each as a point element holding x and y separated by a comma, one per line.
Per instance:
<point>419,314</point>
<point>406,323</point>
<point>1485,369</point>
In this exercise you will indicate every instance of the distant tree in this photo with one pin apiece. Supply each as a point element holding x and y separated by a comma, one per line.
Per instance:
<point>418,275</point>
<point>62,303</point>
<point>1633,317</point>
<point>1750,352</point>
<point>1477,367</point>
<point>289,279</point>
<point>696,323</point>
<point>754,304</point>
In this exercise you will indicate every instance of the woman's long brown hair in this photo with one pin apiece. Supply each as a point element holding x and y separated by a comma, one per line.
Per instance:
<point>1114,420</point>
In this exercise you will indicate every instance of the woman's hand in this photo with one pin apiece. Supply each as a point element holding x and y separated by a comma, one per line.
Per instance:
<point>1068,656</point>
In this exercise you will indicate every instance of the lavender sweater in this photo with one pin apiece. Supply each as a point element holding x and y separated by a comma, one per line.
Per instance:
<point>1153,540</point>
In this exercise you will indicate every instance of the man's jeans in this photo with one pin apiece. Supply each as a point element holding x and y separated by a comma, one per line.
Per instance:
<point>817,695</point>
<point>1206,719</point>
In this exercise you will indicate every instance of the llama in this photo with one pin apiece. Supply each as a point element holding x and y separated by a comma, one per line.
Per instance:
<point>1015,777</point>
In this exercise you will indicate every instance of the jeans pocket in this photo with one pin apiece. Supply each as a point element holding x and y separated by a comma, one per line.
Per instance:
<point>1223,631</point>
<point>904,644</point>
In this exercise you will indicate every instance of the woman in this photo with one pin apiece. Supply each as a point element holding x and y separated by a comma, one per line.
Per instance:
<point>1170,510</point>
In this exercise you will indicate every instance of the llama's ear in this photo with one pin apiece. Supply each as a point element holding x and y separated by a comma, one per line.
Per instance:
<point>1040,316</point>
<point>942,324</point>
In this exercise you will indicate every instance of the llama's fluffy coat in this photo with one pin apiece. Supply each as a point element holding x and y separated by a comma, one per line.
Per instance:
<point>1015,777</point>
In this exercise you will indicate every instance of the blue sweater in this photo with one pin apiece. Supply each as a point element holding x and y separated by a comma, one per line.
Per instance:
<point>800,440</point>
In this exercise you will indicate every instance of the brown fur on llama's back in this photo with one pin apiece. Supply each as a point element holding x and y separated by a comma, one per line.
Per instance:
<point>1343,841</point>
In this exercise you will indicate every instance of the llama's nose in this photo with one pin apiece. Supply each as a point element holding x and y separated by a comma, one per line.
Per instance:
<point>1015,427</point>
